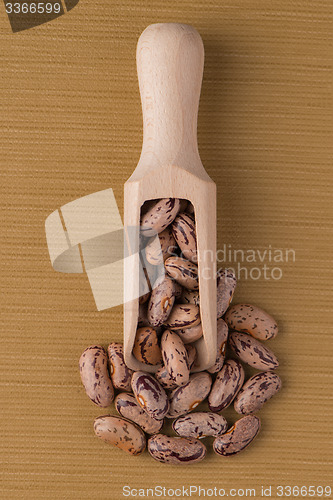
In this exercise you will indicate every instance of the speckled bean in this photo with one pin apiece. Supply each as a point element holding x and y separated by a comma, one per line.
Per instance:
<point>252,352</point>
<point>142,315</point>
<point>200,424</point>
<point>143,319</point>
<point>178,290</point>
<point>150,395</point>
<point>238,437</point>
<point>120,374</point>
<point>227,384</point>
<point>192,334</point>
<point>127,406</point>
<point>146,276</point>
<point>183,205</point>
<point>256,391</point>
<point>161,301</point>
<point>252,320</point>
<point>226,284</point>
<point>185,399</point>
<point>189,208</point>
<point>221,339</point>
<point>175,357</point>
<point>159,216</point>
<point>183,230</point>
<point>144,298</point>
<point>183,271</point>
<point>191,354</point>
<point>160,247</point>
<point>95,376</point>
<point>163,377</point>
<point>120,433</point>
<point>176,450</point>
<point>146,347</point>
<point>190,297</point>
<point>183,316</point>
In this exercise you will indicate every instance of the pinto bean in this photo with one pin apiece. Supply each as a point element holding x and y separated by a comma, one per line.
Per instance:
<point>176,450</point>
<point>160,247</point>
<point>183,230</point>
<point>146,348</point>
<point>252,352</point>
<point>183,316</point>
<point>150,395</point>
<point>252,320</point>
<point>175,357</point>
<point>161,301</point>
<point>226,284</point>
<point>200,424</point>
<point>183,271</point>
<point>238,437</point>
<point>159,216</point>
<point>227,384</point>
<point>120,433</point>
<point>190,297</point>
<point>192,334</point>
<point>95,376</point>
<point>256,391</point>
<point>221,340</point>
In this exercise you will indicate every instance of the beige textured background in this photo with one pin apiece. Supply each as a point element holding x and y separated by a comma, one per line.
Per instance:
<point>70,126</point>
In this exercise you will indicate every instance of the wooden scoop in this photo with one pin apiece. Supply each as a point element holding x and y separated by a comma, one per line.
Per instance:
<point>170,60</point>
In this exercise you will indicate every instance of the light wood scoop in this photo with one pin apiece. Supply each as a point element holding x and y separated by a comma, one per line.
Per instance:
<point>170,60</point>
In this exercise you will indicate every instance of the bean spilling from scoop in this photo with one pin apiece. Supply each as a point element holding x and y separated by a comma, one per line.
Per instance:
<point>169,326</point>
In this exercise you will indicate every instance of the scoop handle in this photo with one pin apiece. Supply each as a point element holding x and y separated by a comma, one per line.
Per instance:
<point>170,59</point>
